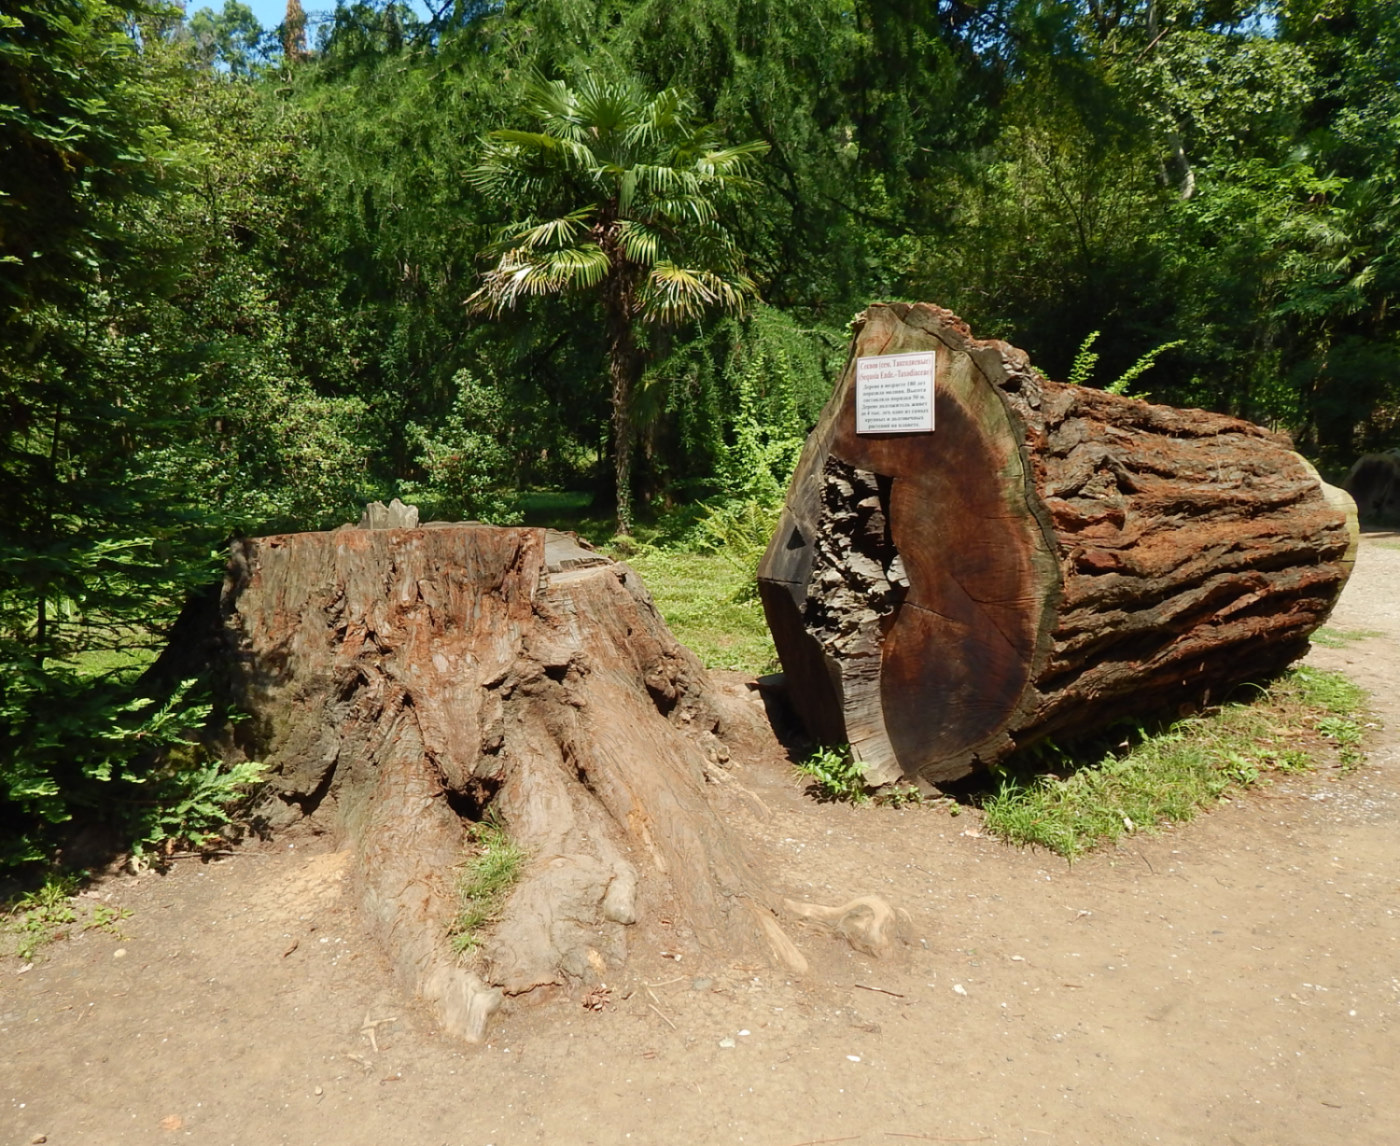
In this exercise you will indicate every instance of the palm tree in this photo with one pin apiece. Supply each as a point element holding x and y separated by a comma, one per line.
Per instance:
<point>621,193</point>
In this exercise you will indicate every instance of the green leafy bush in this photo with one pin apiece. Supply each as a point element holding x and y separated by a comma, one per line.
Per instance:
<point>467,468</point>
<point>75,747</point>
<point>836,775</point>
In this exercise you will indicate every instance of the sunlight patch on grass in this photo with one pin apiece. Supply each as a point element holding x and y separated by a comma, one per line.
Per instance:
<point>1304,720</point>
<point>699,594</point>
<point>486,880</point>
<point>1330,638</point>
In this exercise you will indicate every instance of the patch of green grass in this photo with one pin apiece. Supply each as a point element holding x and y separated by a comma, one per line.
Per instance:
<point>1304,719</point>
<point>127,662</point>
<point>485,882</point>
<point>566,509</point>
<point>1330,638</point>
<point>1331,692</point>
<point>39,917</point>
<point>699,595</point>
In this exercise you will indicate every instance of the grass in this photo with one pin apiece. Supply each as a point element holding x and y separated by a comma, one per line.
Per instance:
<point>1330,638</point>
<point>1305,719</point>
<point>39,917</point>
<point>704,599</point>
<point>50,912</point>
<point>485,882</point>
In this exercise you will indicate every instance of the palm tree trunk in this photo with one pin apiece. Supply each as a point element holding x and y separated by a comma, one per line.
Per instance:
<point>624,365</point>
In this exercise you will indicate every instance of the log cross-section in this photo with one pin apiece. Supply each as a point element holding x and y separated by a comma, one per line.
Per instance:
<point>1048,558</point>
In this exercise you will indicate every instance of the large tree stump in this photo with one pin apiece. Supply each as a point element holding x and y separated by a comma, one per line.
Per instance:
<point>1047,559</point>
<point>403,681</point>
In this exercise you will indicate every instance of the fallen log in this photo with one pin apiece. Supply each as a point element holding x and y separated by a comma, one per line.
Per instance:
<point>405,683</point>
<point>1044,560</point>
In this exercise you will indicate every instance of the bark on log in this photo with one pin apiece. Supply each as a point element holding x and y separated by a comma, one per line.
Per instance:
<point>402,681</point>
<point>1048,559</point>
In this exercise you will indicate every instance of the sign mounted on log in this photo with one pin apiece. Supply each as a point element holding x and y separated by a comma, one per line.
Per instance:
<point>1054,558</point>
<point>894,393</point>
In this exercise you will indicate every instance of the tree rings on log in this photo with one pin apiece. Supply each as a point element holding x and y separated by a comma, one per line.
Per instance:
<point>1047,559</point>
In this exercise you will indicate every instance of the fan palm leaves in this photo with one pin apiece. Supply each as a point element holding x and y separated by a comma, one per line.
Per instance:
<point>622,193</point>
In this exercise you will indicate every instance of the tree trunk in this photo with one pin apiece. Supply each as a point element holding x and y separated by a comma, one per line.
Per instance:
<point>624,365</point>
<point>403,682</point>
<point>1048,559</point>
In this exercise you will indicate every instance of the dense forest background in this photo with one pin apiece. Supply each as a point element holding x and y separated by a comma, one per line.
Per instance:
<point>238,265</point>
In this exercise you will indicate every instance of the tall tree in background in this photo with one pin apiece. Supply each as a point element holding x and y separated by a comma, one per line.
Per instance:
<point>294,33</point>
<point>620,193</point>
<point>96,552</point>
<point>86,148</point>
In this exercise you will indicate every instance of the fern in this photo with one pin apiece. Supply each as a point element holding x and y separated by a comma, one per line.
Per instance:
<point>1085,359</point>
<point>1139,368</point>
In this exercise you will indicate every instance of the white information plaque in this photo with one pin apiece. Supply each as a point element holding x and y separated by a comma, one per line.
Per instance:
<point>894,394</point>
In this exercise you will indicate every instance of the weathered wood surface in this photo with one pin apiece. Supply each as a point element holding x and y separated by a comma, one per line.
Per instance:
<point>403,681</point>
<point>1049,558</point>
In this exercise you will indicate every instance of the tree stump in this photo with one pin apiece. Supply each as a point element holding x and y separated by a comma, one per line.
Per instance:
<point>402,682</point>
<point>1047,559</point>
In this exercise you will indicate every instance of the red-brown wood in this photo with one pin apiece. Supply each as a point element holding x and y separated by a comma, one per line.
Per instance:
<point>403,683</point>
<point>1065,556</point>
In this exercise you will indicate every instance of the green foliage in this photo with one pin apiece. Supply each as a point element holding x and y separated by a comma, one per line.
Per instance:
<point>40,916</point>
<point>485,882</point>
<point>468,469</point>
<point>836,775</point>
<point>739,530</point>
<point>231,38</point>
<point>726,407</point>
<point>1120,384</point>
<point>93,749</point>
<point>1169,774</point>
<point>1330,638</point>
<point>37,918</point>
<point>186,802</point>
<point>1085,359</point>
<point>708,603</point>
<point>623,194</point>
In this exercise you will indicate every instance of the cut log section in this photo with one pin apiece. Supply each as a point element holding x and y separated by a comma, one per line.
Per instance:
<point>1047,559</point>
<point>403,682</point>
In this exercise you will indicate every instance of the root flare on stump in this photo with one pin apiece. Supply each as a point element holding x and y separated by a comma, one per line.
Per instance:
<point>404,681</point>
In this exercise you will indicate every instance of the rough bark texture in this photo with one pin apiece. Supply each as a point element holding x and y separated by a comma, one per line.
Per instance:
<point>402,681</point>
<point>1049,558</point>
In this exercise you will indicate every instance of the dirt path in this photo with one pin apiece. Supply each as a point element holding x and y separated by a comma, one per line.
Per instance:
<point>1235,980</point>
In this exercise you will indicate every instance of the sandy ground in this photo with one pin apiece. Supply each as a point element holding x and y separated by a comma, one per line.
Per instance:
<point>1235,980</point>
